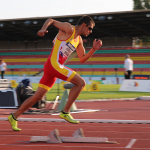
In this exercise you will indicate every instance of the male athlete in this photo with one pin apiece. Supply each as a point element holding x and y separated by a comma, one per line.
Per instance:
<point>66,41</point>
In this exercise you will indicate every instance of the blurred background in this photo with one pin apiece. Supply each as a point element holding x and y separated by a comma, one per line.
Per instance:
<point>122,25</point>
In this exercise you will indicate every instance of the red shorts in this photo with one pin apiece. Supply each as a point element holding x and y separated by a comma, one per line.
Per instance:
<point>52,72</point>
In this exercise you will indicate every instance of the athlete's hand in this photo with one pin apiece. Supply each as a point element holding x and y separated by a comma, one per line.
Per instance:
<point>42,32</point>
<point>97,44</point>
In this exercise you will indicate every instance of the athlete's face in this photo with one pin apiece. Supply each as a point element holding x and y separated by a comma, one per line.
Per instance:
<point>88,29</point>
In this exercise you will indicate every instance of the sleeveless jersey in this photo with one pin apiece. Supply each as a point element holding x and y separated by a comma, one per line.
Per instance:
<point>62,49</point>
<point>54,67</point>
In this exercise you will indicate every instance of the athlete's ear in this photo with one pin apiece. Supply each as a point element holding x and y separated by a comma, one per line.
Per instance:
<point>83,25</point>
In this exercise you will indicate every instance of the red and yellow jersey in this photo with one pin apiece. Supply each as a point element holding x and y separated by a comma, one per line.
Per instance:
<point>54,67</point>
<point>63,49</point>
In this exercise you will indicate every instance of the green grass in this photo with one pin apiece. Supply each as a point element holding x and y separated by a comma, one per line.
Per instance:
<point>107,91</point>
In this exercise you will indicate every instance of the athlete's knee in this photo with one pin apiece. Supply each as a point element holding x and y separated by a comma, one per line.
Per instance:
<point>78,81</point>
<point>82,83</point>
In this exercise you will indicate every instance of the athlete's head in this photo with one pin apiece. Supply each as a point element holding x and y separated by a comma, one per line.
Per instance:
<point>87,24</point>
<point>87,20</point>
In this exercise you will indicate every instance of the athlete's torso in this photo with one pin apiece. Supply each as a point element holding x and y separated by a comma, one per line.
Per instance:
<point>62,49</point>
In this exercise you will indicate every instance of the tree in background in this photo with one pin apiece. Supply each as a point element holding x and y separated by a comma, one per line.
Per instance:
<point>147,4</point>
<point>141,4</point>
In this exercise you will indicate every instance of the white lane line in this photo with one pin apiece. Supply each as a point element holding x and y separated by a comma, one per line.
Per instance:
<point>81,120</point>
<point>130,144</point>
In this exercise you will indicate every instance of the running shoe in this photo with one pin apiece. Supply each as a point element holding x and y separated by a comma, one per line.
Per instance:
<point>13,122</point>
<point>68,118</point>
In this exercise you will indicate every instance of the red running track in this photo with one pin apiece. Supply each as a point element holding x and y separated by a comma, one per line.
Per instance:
<point>129,136</point>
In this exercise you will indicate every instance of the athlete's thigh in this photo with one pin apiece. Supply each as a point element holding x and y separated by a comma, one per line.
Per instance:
<point>65,73</point>
<point>73,77</point>
<point>77,79</point>
<point>47,81</point>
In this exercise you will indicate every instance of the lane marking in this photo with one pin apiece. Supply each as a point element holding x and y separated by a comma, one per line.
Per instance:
<point>130,144</point>
<point>83,125</point>
<point>81,120</point>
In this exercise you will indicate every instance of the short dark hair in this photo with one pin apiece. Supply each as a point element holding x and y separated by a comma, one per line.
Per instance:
<point>86,19</point>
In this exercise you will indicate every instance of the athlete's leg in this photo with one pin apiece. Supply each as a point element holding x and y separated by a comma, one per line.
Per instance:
<point>68,74</point>
<point>79,84</point>
<point>45,84</point>
<point>26,104</point>
<point>30,101</point>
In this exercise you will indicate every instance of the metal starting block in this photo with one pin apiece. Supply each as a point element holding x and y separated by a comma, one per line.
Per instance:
<point>78,137</point>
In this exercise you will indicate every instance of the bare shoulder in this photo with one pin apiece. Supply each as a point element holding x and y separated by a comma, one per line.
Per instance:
<point>65,31</point>
<point>67,27</point>
<point>63,26</point>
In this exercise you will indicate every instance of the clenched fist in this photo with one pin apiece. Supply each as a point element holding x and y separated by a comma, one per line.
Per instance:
<point>42,32</point>
<point>97,44</point>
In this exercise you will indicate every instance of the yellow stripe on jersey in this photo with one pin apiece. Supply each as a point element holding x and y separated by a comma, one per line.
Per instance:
<point>55,53</point>
<point>71,76</point>
<point>44,86</point>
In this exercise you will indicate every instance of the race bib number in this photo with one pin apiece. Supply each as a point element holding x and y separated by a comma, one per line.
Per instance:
<point>66,50</point>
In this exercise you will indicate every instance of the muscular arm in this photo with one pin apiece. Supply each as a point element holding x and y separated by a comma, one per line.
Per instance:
<point>81,50</point>
<point>64,27</point>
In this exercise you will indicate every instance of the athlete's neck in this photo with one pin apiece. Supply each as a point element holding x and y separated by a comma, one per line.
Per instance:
<point>78,30</point>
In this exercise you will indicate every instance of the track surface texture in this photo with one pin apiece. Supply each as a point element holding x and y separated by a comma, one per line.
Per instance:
<point>133,136</point>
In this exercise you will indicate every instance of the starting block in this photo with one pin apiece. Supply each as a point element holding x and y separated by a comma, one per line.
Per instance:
<point>78,137</point>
